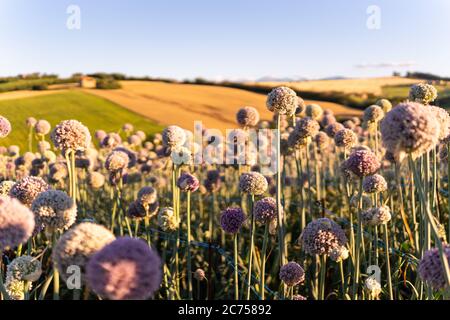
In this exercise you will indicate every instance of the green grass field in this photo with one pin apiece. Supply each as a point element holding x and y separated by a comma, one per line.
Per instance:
<point>94,112</point>
<point>401,92</point>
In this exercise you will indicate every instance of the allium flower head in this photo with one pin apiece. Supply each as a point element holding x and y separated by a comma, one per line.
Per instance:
<point>431,270</point>
<point>111,140</point>
<point>15,288</point>
<point>126,269</point>
<point>385,104</point>
<point>116,161</point>
<point>292,274</point>
<point>374,183</point>
<point>147,195</point>
<point>322,140</point>
<point>16,223</point>
<point>71,135</point>
<point>265,209</point>
<point>27,189</point>
<point>24,268</point>
<point>42,127</point>
<point>127,127</point>
<point>188,182</point>
<point>54,210</point>
<point>199,275</point>
<point>77,245</point>
<point>333,128</point>
<point>376,216</point>
<point>327,119</point>
<point>5,187</point>
<point>5,127</point>
<point>173,136</point>
<point>373,287</point>
<point>232,219</point>
<point>253,183</point>
<point>181,156</point>
<point>307,127</point>
<point>96,180</point>
<point>282,100</point>
<point>247,117</point>
<point>423,93</point>
<point>314,111</point>
<point>167,220</point>
<point>409,128</point>
<point>373,114</point>
<point>339,253</point>
<point>30,122</point>
<point>345,138</point>
<point>298,297</point>
<point>443,118</point>
<point>100,135</point>
<point>362,163</point>
<point>322,235</point>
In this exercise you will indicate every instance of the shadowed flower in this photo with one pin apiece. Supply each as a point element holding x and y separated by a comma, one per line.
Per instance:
<point>54,210</point>
<point>167,220</point>
<point>247,117</point>
<point>232,219</point>
<point>265,210</point>
<point>339,253</point>
<point>385,104</point>
<point>24,268</point>
<point>96,180</point>
<point>443,118</point>
<point>126,269</point>
<point>16,223</point>
<point>373,114</point>
<point>431,270</point>
<point>345,138</point>
<point>321,236</point>
<point>376,216</point>
<point>292,274</point>
<point>188,182</point>
<point>374,183</point>
<point>314,111</point>
<point>77,245</point>
<point>199,275</point>
<point>333,128</point>
<point>307,127</point>
<point>111,140</point>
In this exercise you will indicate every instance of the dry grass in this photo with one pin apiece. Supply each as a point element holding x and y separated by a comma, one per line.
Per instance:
<point>25,94</point>
<point>357,86</point>
<point>182,104</point>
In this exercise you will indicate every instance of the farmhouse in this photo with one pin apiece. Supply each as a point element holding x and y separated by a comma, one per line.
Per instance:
<point>88,82</point>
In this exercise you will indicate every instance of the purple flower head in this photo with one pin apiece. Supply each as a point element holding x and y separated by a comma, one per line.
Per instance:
<point>187,182</point>
<point>362,162</point>
<point>247,117</point>
<point>27,189</point>
<point>42,127</point>
<point>16,223</point>
<point>71,135</point>
<point>265,210</point>
<point>282,100</point>
<point>320,236</point>
<point>126,269</point>
<point>5,127</point>
<point>232,219</point>
<point>431,270</point>
<point>292,273</point>
<point>253,183</point>
<point>333,128</point>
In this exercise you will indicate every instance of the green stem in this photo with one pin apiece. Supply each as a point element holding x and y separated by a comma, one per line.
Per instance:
<point>263,260</point>
<point>236,268</point>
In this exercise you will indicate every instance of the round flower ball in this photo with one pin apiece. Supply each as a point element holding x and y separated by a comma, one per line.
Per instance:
<point>173,136</point>
<point>376,216</point>
<point>292,274</point>
<point>116,161</point>
<point>362,162</point>
<point>339,253</point>
<point>188,182</point>
<point>423,93</point>
<point>321,236</point>
<point>54,210</point>
<point>345,138</point>
<point>5,127</point>
<point>42,127</point>
<point>253,183</point>
<point>265,210</point>
<point>167,220</point>
<point>314,111</point>
<point>374,183</point>
<point>322,140</point>
<point>373,114</point>
<point>96,180</point>
<point>71,135</point>
<point>282,100</point>
<point>147,195</point>
<point>27,189</point>
<point>199,275</point>
<point>409,128</point>
<point>333,128</point>
<point>30,122</point>
<point>247,117</point>
<point>385,104</point>
<point>443,118</point>
<point>126,269</point>
<point>77,245</point>
<point>16,223</point>
<point>232,219</point>
<point>307,127</point>
<point>24,268</point>
<point>5,187</point>
<point>431,270</point>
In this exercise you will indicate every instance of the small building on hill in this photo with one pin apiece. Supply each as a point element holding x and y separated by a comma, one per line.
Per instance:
<point>88,82</point>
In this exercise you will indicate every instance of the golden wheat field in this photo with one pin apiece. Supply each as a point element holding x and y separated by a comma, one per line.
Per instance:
<point>356,86</point>
<point>182,104</point>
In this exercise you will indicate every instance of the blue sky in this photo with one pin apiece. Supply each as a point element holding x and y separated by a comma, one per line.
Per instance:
<point>225,39</point>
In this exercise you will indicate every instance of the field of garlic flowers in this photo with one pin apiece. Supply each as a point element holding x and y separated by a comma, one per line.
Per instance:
<point>357,209</point>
